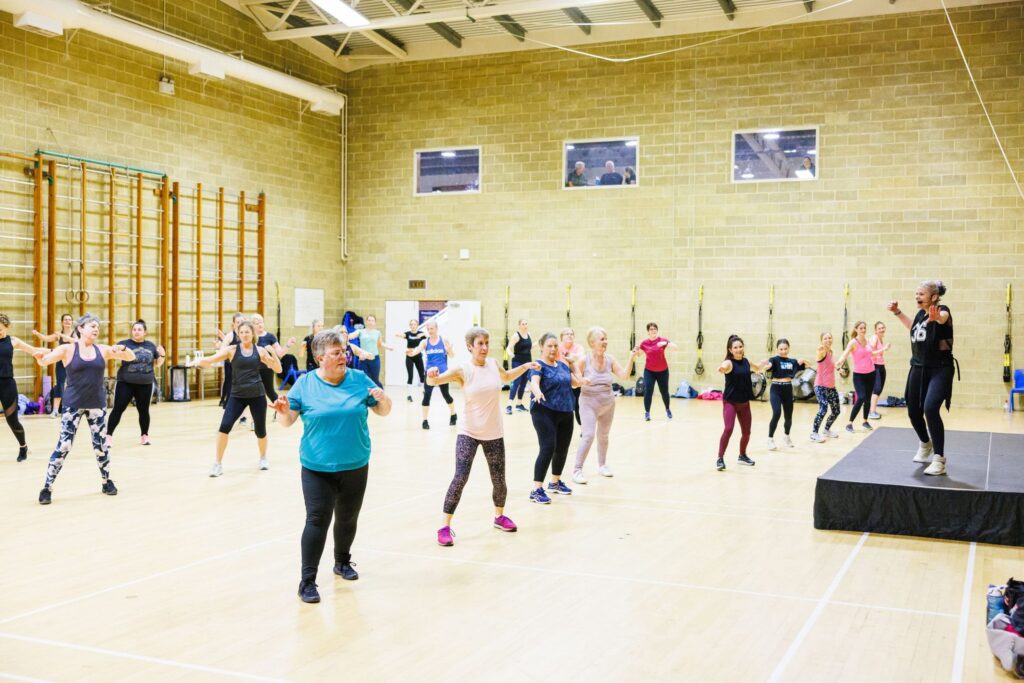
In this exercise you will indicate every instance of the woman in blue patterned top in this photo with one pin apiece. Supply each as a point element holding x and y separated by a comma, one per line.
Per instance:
<point>333,402</point>
<point>552,413</point>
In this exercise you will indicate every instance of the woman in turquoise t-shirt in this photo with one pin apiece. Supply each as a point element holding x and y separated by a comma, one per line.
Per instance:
<point>371,343</point>
<point>333,402</point>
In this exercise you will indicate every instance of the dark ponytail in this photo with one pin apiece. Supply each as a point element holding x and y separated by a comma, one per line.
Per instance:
<point>728,346</point>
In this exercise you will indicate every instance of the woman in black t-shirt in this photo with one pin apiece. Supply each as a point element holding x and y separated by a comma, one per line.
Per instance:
<point>317,327</point>
<point>930,381</point>
<point>413,354</point>
<point>135,380</point>
<point>783,369</point>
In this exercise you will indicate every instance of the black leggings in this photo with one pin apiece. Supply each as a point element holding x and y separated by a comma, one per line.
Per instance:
<point>879,380</point>
<point>650,377</point>
<point>781,397</point>
<point>234,408</point>
<point>554,432</point>
<point>863,383</point>
<point>927,390</point>
<point>428,390</point>
<point>269,382</point>
<point>225,387</point>
<point>124,392</point>
<point>9,400</point>
<point>330,494</point>
<point>465,451</point>
<point>414,362</point>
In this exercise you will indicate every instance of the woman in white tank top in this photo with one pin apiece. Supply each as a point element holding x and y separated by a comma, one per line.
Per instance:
<point>481,380</point>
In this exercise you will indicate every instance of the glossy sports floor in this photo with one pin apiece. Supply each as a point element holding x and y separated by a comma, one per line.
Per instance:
<point>670,571</point>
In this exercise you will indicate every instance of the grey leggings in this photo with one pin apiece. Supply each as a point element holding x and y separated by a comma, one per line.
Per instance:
<point>596,413</point>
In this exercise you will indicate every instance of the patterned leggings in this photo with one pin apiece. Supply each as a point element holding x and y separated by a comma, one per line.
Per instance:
<point>465,451</point>
<point>69,419</point>
<point>828,398</point>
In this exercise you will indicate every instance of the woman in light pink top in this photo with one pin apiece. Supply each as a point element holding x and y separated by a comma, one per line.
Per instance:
<point>878,348</point>
<point>481,380</point>
<point>863,372</point>
<point>571,352</point>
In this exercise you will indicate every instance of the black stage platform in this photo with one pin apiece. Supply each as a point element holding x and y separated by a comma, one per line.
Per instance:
<point>878,488</point>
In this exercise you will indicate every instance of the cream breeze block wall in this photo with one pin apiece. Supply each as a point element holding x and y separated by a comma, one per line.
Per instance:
<point>101,101</point>
<point>911,186</point>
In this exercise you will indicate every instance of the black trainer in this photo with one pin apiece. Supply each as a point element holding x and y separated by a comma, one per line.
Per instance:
<point>744,460</point>
<point>867,426</point>
<point>345,571</point>
<point>308,591</point>
<point>109,488</point>
<point>22,453</point>
<point>409,398</point>
<point>452,420</point>
<point>44,497</point>
<point>426,425</point>
<point>720,464</point>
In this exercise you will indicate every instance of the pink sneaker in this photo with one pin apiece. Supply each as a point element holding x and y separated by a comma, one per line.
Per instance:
<point>504,523</point>
<point>445,536</point>
<point>145,439</point>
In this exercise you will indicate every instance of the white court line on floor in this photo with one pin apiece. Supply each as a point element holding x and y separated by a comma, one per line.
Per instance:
<point>988,467</point>
<point>704,513</point>
<point>139,658</point>
<point>794,646</point>
<point>24,679</point>
<point>965,605</point>
<point>189,565</point>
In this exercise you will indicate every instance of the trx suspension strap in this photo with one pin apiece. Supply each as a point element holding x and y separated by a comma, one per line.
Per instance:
<point>844,371</point>
<point>1007,341</point>
<point>568,306</point>
<point>278,286</point>
<point>771,318</point>
<point>699,368</point>
<point>632,333</point>
<point>504,361</point>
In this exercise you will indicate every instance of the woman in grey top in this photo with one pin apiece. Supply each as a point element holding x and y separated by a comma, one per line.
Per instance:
<point>85,396</point>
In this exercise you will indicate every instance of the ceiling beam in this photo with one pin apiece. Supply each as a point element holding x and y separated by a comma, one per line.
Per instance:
<point>651,11</point>
<point>578,18</point>
<point>441,29</point>
<point>387,41</point>
<point>510,25</point>
<point>513,8</point>
<point>729,8</point>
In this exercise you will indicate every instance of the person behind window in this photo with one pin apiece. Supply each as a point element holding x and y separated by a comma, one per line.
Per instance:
<point>629,176</point>
<point>808,166</point>
<point>610,177</point>
<point>577,176</point>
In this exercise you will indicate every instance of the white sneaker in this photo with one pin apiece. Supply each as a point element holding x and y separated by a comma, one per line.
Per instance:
<point>605,471</point>
<point>830,434</point>
<point>216,470</point>
<point>924,452</point>
<point>264,465</point>
<point>938,466</point>
<point>579,477</point>
<point>771,445</point>
<point>788,441</point>
<point>816,437</point>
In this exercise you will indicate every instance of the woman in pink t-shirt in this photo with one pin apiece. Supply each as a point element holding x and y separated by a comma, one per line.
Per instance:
<point>863,372</point>
<point>825,390</point>
<point>481,380</point>
<point>655,368</point>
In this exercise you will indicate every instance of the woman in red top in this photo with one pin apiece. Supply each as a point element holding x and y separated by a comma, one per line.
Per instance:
<point>655,368</point>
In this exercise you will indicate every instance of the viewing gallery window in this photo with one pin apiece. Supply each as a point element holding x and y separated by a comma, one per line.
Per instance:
<point>601,163</point>
<point>447,171</point>
<point>775,154</point>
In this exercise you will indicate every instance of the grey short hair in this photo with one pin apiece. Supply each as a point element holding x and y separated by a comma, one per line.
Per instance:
<point>473,333</point>
<point>578,164</point>
<point>327,339</point>
<point>86,319</point>
<point>593,333</point>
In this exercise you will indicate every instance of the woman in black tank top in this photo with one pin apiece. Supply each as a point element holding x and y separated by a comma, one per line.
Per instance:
<point>739,392</point>
<point>223,341</point>
<point>414,336</point>
<point>8,387</point>
<point>519,348</point>
<point>246,360</point>
<point>86,364</point>
<point>66,335</point>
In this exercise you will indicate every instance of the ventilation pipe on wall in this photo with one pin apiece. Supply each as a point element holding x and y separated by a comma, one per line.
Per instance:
<point>53,17</point>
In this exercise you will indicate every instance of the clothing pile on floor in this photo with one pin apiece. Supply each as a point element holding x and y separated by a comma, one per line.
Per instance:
<point>1006,625</point>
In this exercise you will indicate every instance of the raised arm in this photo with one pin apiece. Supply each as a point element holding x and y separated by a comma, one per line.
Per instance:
<point>436,378</point>
<point>383,406</point>
<point>286,417</point>
<point>117,352</point>
<point>161,356</point>
<point>270,359</point>
<point>846,352</point>
<point>44,357</point>
<point>623,372</point>
<point>535,387</point>
<point>515,373</point>
<point>47,338</point>
<point>894,308</point>
<point>22,346</point>
<point>512,344</point>
<point>760,367</point>
<point>224,354</point>
<point>726,367</point>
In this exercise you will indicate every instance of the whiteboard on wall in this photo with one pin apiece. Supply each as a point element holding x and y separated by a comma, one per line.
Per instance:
<point>309,306</point>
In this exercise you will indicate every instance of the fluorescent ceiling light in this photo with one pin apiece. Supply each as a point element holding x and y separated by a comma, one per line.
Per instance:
<point>771,136</point>
<point>570,146</point>
<point>631,143</point>
<point>747,175</point>
<point>448,155</point>
<point>812,152</point>
<point>790,151</point>
<point>342,12</point>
